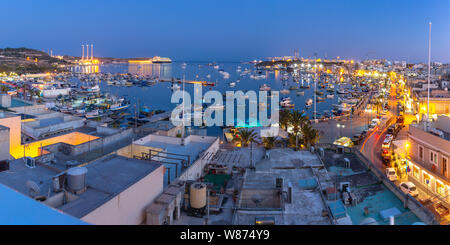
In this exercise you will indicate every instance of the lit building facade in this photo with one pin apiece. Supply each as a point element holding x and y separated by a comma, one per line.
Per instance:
<point>428,161</point>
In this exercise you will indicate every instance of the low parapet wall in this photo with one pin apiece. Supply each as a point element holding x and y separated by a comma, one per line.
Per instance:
<point>424,214</point>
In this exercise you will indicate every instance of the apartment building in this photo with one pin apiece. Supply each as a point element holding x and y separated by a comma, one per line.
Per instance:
<point>428,154</point>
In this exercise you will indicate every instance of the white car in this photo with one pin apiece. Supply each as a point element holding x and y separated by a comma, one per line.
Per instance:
<point>391,174</point>
<point>409,188</point>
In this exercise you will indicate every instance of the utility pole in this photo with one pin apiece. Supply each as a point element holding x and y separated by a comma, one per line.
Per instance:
<point>429,78</point>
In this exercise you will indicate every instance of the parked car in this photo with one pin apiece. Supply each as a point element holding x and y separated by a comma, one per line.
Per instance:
<point>391,174</point>
<point>409,188</point>
<point>387,141</point>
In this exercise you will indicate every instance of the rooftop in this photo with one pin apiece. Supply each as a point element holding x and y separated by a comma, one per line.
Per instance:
<point>307,205</point>
<point>18,209</point>
<point>106,178</point>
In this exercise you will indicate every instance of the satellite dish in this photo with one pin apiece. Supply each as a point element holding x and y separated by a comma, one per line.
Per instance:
<point>33,188</point>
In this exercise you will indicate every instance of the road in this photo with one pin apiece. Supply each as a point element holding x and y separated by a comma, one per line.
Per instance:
<point>371,147</point>
<point>334,129</point>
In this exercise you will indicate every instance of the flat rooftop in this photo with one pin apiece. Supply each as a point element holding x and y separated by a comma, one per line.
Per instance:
<point>18,209</point>
<point>106,178</point>
<point>6,114</point>
<point>159,125</point>
<point>306,206</point>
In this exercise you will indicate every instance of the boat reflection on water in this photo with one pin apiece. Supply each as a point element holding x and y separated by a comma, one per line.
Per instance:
<point>153,70</point>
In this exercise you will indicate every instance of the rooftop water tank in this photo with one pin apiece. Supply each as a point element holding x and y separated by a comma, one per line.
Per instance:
<point>76,178</point>
<point>197,197</point>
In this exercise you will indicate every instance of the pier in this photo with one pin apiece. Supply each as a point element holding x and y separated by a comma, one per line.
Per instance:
<point>204,83</point>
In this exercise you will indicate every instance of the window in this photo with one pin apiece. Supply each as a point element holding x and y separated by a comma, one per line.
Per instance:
<point>440,188</point>
<point>421,152</point>
<point>416,172</point>
<point>444,166</point>
<point>433,157</point>
<point>426,180</point>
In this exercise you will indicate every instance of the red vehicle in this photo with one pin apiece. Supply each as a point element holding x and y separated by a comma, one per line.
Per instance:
<point>385,155</point>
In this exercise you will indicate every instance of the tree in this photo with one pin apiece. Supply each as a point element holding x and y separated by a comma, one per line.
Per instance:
<point>310,135</point>
<point>269,142</point>
<point>297,121</point>
<point>4,89</point>
<point>285,117</point>
<point>246,137</point>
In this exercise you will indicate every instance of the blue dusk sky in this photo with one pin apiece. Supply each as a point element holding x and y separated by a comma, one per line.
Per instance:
<point>231,30</point>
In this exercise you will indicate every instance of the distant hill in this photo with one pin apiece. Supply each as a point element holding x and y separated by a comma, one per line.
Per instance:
<point>25,60</point>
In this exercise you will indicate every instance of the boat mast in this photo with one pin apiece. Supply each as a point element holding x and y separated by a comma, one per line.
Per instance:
<point>315,98</point>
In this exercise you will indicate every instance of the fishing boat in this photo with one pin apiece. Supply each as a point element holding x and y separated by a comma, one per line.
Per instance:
<point>264,87</point>
<point>120,105</point>
<point>330,96</point>
<point>285,91</point>
<point>293,88</point>
<point>93,89</point>
<point>320,99</point>
<point>319,93</point>
<point>287,104</point>
<point>175,87</point>
<point>92,114</point>
<point>341,91</point>
<point>300,93</point>
<point>261,76</point>
<point>216,107</point>
<point>286,99</point>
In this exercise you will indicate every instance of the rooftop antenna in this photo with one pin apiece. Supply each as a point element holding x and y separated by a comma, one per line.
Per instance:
<point>429,78</point>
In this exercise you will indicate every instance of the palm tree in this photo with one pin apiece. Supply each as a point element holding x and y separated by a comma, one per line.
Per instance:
<point>310,135</point>
<point>285,117</point>
<point>4,89</point>
<point>269,142</point>
<point>246,137</point>
<point>297,122</point>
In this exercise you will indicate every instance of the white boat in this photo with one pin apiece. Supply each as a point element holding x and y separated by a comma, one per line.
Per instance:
<point>264,87</point>
<point>285,91</point>
<point>216,67</point>
<point>92,114</point>
<point>286,104</point>
<point>175,87</point>
<point>309,102</point>
<point>287,99</point>
<point>232,84</point>
<point>330,96</point>
<point>262,76</point>
<point>216,107</point>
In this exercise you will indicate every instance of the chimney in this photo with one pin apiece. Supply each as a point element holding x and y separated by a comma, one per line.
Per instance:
<point>92,51</point>
<point>82,57</point>
<point>87,51</point>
